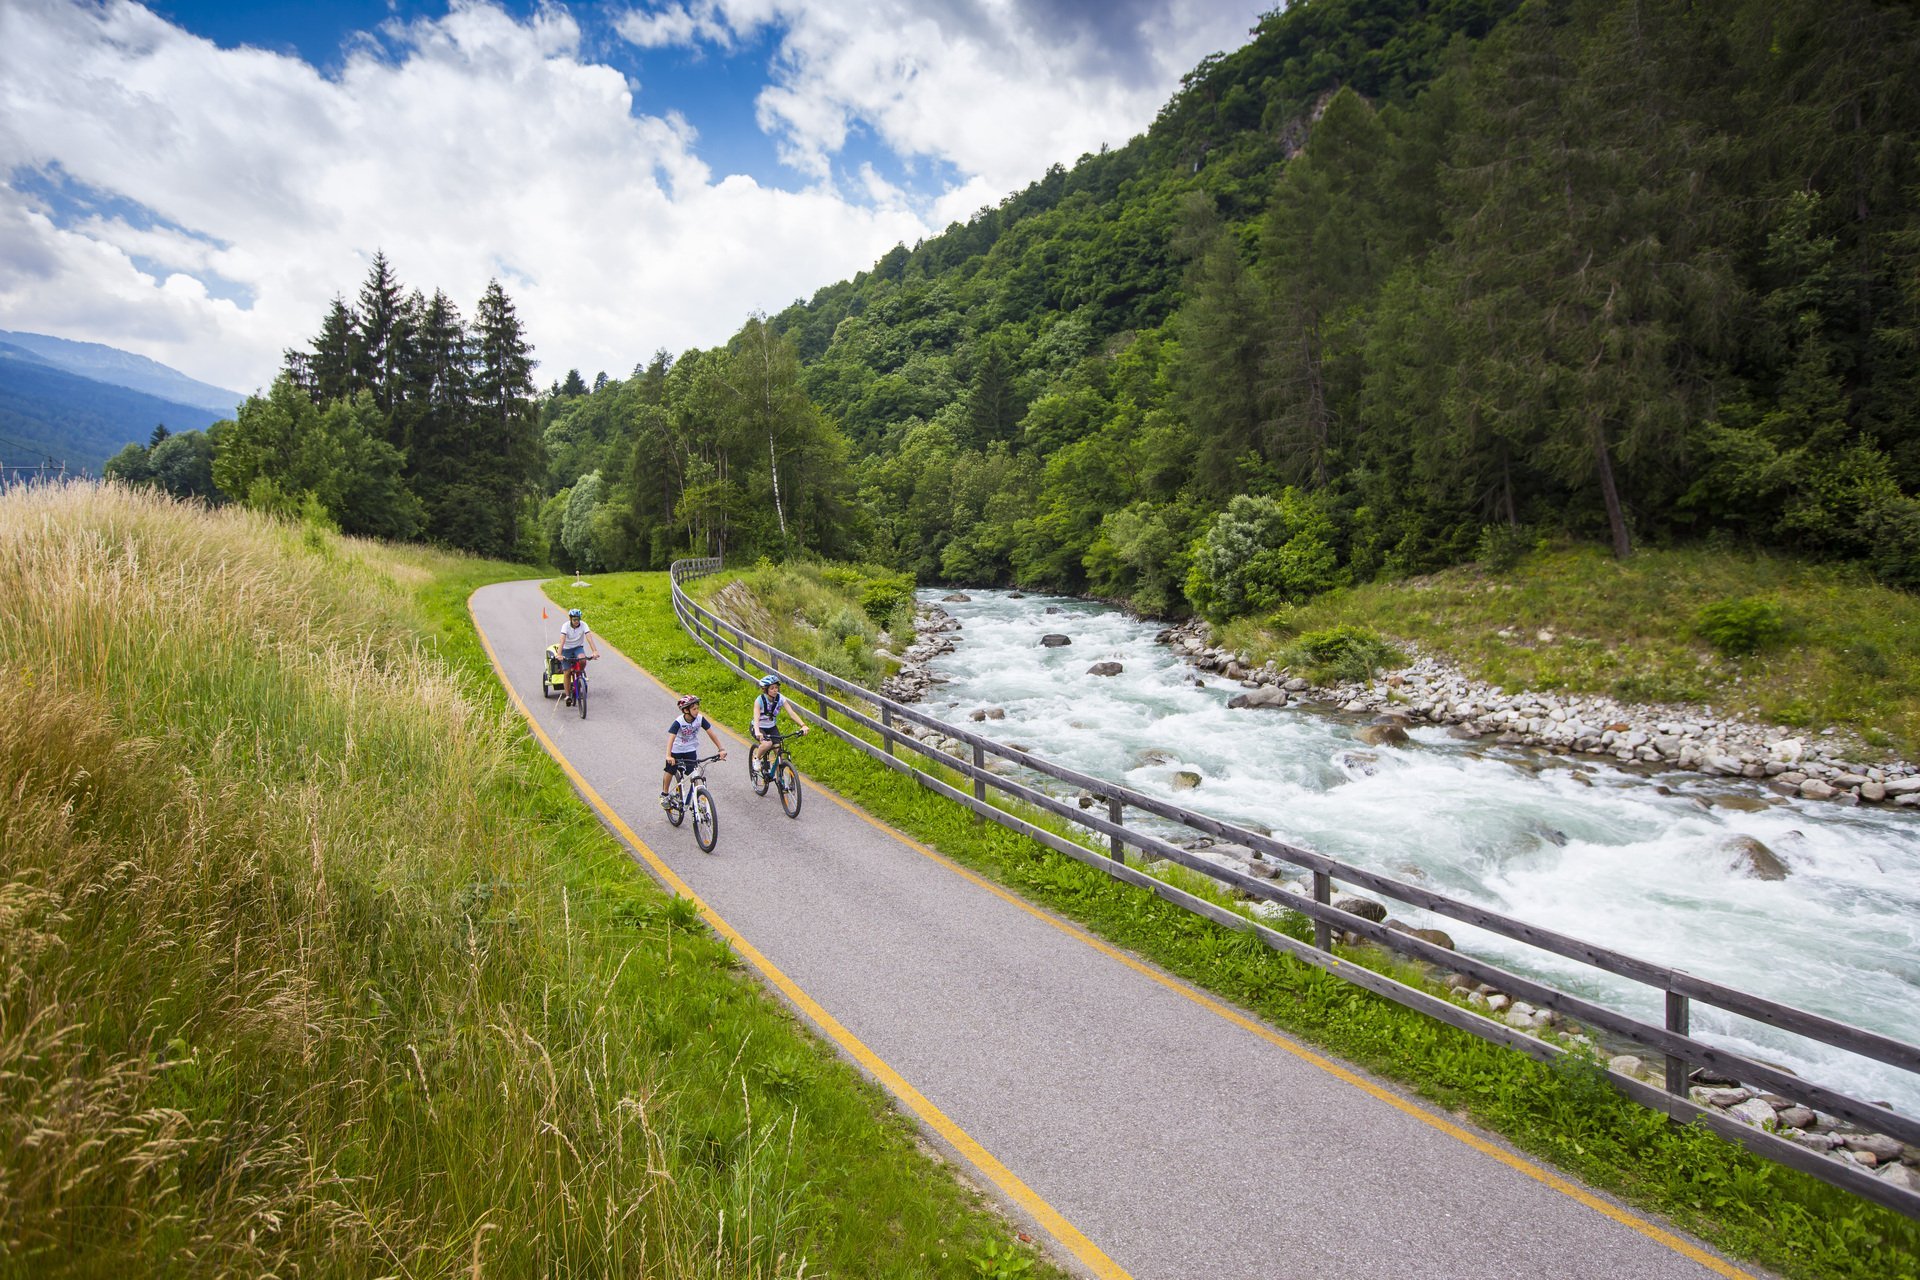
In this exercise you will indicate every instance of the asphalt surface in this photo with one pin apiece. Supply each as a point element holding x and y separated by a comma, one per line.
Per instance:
<point>1176,1139</point>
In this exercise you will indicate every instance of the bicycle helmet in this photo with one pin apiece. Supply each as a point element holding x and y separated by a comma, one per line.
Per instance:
<point>688,703</point>
<point>769,681</point>
<point>573,614</point>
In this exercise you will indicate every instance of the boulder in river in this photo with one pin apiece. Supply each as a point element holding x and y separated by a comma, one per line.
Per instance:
<point>1054,640</point>
<point>1053,608</point>
<point>1382,735</point>
<point>1438,937</point>
<point>1185,780</point>
<point>1152,756</point>
<point>1748,857</point>
<point>956,598</point>
<point>1105,669</point>
<point>1365,908</point>
<point>1016,595</point>
<point>1266,695</point>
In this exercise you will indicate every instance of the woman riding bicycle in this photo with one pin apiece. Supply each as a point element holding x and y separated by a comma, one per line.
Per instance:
<point>767,706</point>
<point>683,742</point>
<point>575,638</point>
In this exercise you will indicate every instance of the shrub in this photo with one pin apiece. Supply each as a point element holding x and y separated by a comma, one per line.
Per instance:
<point>1743,626</point>
<point>1344,652</point>
<point>1502,546</point>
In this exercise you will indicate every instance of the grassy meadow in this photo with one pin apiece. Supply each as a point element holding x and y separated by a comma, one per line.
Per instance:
<point>1567,1115</point>
<point>1847,655</point>
<point>312,964</point>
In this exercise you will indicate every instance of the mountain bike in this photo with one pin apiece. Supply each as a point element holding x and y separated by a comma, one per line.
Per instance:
<point>577,682</point>
<point>690,794</point>
<point>776,767</point>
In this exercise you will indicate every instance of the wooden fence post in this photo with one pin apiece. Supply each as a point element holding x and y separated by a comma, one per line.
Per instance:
<point>886,728</point>
<point>1680,1022</point>
<point>1322,894</point>
<point>1115,810</point>
<point>979,783</point>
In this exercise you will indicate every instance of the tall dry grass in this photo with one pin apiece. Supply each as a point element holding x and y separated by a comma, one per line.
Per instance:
<point>285,984</point>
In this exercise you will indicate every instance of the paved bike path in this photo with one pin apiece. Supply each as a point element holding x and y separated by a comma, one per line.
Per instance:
<point>1174,1136</point>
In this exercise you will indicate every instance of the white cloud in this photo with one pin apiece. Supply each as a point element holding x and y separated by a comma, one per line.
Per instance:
<point>1000,89</point>
<point>482,144</point>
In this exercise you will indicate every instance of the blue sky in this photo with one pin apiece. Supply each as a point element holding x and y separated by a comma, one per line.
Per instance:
<point>195,181</point>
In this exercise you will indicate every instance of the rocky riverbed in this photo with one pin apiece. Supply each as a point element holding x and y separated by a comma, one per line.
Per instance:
<point>1432,691</point>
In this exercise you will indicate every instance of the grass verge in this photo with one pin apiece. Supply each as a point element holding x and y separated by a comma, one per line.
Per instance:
<point>1568,1114</point>
<point>311,963</point>
<point>1847,652</point>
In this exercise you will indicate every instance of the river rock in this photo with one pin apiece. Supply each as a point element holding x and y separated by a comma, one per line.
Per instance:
<point>1266,695</point>
<point>1903,786</point>
<point>1054,640</point>
<point>1382,735</point>
<point>1152,756</point>
<point>1365,908</point>
<point>1185,780</point>
<point>1298,684</point>
<point>1626,1064</point>
<point>956,598</point>
<point>1796,1117</point>
<point>1438,937</point>
<point>1731,1096</point>
<point>1756,1112</point>
<point>1901,1176</point>
<point>1879,1145</point>
<point>1357,763</point>
<point>1053,608</point>
<point>1105,669</point>
<point>1748,857</point>
<point>1016,595</point>
<point>1814,789</point>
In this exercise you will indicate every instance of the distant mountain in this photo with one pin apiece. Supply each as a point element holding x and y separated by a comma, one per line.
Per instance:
<point>124,369</point>
<point>48,413</point>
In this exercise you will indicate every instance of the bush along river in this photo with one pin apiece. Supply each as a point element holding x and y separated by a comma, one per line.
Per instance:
<point>1809,902</point>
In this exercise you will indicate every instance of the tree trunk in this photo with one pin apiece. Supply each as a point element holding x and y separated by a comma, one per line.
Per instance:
<point>1603,466</point>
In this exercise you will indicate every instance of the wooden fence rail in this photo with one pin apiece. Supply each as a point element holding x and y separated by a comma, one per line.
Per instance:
<point>841,707</point>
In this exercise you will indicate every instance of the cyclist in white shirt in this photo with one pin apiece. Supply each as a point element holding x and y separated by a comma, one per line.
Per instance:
<point>575,635</point>
<point>767,706</point>
<point>683,742</point>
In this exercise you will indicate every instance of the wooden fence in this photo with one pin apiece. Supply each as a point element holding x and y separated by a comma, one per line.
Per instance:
<point>833,698</point>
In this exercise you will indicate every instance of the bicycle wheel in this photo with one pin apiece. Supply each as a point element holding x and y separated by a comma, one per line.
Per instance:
<point>706,820</point>
<point>546,683</point>
<point>757,774</point>
<point>787,778</point>
<point>676,807</point>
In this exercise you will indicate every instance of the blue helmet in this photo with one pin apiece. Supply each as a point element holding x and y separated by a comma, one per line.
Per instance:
<point>769,681</point>
<point>573,614</point>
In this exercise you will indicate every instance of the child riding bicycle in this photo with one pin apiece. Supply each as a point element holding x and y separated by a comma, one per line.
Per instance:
<point>683,742</point>
<point>767,706</point>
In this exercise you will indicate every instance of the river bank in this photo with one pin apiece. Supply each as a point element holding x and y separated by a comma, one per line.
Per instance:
<point>1819,766</point>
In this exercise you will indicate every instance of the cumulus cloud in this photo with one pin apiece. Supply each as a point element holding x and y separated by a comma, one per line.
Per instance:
<point>1000,89</point>
<point>201,205</point>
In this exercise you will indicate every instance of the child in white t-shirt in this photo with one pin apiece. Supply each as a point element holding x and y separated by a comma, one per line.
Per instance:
<point>683,742</point>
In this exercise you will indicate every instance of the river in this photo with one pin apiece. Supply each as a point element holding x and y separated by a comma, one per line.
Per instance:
<point>1609,859</point>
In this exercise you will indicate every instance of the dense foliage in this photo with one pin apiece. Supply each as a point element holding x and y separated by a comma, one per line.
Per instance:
<point>1407,275</point>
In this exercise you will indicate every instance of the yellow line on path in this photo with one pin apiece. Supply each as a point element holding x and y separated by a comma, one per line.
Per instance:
<point>1070,1237</point>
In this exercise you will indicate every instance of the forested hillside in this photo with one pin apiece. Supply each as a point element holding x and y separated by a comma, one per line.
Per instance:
<point>48,413</point>
<point>1397,282</point>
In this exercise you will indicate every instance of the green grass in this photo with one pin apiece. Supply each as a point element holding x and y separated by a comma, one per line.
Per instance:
<point>1849,656</point>
<point>311,963</point>
<point>833,616</point>
<point>1566,1114</point>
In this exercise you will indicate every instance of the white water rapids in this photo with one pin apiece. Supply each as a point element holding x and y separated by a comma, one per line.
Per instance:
<point>1613,862</point>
